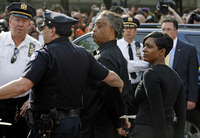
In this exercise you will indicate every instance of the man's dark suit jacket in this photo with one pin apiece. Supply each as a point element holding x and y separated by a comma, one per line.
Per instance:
<point>103,105</point>
<point>186,65</point>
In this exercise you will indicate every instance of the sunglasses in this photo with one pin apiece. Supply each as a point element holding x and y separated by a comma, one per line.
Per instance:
<point>14,57</point>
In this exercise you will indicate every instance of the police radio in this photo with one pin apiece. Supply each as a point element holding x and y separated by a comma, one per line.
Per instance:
<point>138,52</point>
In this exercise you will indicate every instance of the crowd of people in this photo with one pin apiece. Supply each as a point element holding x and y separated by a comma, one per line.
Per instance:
<point>86,20</point>
<point>62,90</point>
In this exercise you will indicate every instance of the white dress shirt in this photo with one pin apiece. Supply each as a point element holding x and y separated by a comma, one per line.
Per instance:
<point>11,71</point>
<point>136,65</point>
<point>172,53</point>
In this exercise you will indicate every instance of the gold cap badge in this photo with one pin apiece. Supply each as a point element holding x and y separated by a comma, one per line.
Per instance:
<point>23,6</point>
<point>130,19</point>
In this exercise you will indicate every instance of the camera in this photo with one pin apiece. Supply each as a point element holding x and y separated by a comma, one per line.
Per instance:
<point>3,25</point>
<point>194,17</point>
<point>164,9</point>
<point>162,6</point>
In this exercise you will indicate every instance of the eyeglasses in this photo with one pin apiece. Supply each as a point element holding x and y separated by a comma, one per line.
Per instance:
<point>14,57</point>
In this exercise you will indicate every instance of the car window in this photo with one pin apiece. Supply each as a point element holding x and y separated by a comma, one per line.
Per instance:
<point>88,44</point>
<point>140,37</point>
<point>195,40</point>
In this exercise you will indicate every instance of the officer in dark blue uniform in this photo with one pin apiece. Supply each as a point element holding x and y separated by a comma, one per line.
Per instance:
<point>57,75</point>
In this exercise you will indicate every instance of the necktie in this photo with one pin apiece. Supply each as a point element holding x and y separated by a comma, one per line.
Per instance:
<point>167,59</point>
<point>130,52</point>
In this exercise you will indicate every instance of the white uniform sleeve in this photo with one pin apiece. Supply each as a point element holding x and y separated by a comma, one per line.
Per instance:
<point>137,65</point>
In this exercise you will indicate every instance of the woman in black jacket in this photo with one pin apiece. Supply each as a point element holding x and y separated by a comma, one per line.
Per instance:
<point>159,95</point>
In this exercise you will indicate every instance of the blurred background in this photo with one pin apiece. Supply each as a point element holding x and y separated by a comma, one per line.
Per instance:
<point>85,5</point>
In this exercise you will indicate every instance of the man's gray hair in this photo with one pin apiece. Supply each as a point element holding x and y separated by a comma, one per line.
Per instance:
<point>115,22</point>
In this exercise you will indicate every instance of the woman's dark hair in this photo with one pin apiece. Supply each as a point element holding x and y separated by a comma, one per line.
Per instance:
<point>66,31</point>
<point>161,40</point>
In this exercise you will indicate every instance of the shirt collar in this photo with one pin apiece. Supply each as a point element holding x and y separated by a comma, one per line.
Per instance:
<point>10,41</point>
<point>107,44</point>
<point>126,43</point>
<point>175,42</point>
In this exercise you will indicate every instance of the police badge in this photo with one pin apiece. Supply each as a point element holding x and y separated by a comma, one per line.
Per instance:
<point>31,49</point>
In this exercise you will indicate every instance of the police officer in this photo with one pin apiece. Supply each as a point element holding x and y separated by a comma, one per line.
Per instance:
<point>16,47</point>
<point>57,74</point>
<point>132,51</point>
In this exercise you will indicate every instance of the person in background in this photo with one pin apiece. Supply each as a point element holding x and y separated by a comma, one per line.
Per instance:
<point>132,8</point>
<point>186,17</point>
<point>130,13</point>
<point>57,8</point>
<point>5,13</point>
<point>38,22</point>
<point>57,81</point>
<point>160,93</point>
<point>183,59</point>
<point>132,52</point>
<point>103,105</point>
<point>32,26</point>
<point>16,48</point>
<point>119,10</point>
<point>93,17</point>
<point>140,17</point>
<point>146,12</point>
<point>35,34</point>
<point>171,15</point>
<point>79,28</point>
<point>194,17</point>
<point>85,18</point>
<point>74,11</point>
<point>39,12</point>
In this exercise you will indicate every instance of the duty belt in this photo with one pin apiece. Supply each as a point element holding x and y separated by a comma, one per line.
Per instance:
<point>67,114</point>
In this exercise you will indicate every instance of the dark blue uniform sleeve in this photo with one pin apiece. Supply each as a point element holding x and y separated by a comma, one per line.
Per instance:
<point>36,68</point>
<point>96,69</point>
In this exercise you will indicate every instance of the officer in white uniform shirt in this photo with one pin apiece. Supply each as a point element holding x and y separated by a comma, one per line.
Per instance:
<point>132,51</point>
<point>16,47</point>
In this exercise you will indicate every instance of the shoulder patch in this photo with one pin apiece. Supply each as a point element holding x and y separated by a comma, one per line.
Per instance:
<point>34,56</point>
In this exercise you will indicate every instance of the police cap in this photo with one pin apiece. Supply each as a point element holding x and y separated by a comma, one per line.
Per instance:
<point>57,19</point>
<point>22,10</point>
<point>131,22</point>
